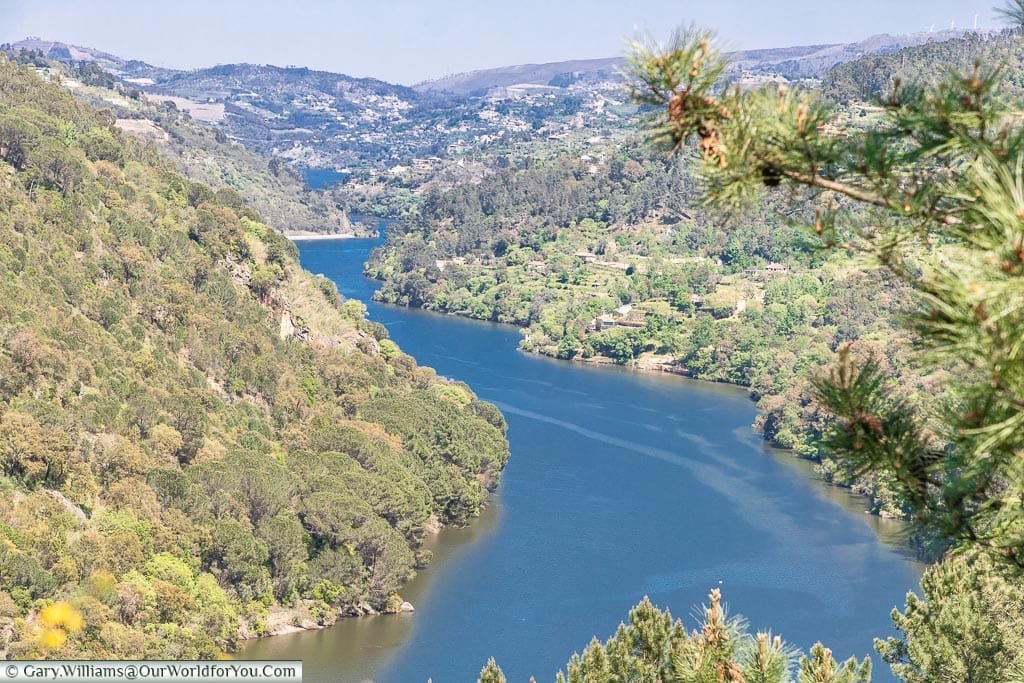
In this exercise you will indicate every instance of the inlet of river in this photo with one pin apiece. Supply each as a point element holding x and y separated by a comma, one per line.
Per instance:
<point>621,484</point>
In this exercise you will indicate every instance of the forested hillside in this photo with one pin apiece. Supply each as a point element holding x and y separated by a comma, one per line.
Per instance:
<point>194,432</point>
<point>873,76</point>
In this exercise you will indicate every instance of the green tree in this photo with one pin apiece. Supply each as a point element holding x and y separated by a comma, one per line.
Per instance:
<point>820,667</point>
<point>53,165</point>
<point>653,647</point>
<point>491,673</point>
<point>16,138</point>
<point>967,626</point>
<point>620,343</point>
<point>933,192</point>
<point>33,453</point>
<point>239,559</point>
<point>100,144</point>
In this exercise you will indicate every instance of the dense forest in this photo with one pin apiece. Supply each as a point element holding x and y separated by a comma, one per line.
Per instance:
<point>195,434</point>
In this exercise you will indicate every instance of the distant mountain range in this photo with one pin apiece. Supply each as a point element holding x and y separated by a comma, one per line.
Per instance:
<point>218,83</point>
<point>808,61</point>
<point>316,119</point>
<point>556,74</point>
<point>306,117</point>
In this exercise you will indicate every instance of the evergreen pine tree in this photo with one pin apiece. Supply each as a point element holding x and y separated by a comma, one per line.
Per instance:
<point>491,673</point>
<point>820,667</point>
<point>968,626</point>
<point>932,190</point>
<point>653,647</point>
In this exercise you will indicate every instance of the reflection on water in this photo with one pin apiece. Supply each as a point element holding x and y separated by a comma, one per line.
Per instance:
<point>357,648</point>
<point>621,484</point>
<point>892,532</point>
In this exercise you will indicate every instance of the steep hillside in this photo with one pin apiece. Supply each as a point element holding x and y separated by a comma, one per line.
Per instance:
<point>271,187</point>
<point>198,439</point>
<point>873,76</point>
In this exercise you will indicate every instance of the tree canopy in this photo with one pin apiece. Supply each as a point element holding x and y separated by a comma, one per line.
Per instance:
<point>173,463</point>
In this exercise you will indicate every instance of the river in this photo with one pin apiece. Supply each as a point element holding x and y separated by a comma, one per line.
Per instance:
<point>621,484</point>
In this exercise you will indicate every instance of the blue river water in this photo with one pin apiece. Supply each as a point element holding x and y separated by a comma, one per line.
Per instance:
<point>322,178</point>
<point>621,484</point>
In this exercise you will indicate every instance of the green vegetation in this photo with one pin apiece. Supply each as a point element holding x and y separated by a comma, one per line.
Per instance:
<point>871,78</point>
<point>206,155</point>
<point>194,432</point>
<point>969,626</point>
<point>939,176</point>
<point>653,646</point>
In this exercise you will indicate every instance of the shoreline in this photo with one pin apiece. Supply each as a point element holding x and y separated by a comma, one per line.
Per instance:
<point>310,236</point>
<point>283,620</point>
<point>656,365</point>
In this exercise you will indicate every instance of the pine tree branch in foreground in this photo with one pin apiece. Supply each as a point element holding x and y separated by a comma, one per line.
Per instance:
<point>933,190</point>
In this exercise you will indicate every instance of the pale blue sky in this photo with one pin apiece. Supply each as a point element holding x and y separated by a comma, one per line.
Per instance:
<point>406,41</point>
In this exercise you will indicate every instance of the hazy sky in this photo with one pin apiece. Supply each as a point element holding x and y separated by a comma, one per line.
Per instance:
<point>406,41</point>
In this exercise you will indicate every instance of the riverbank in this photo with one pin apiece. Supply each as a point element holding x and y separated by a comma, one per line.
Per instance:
<point>280,620</point>
<point>785,420</point>
<point>308,615</point>
<point>651,363</point>
<point>305,236</point>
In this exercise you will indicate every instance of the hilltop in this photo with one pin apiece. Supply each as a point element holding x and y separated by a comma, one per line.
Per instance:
<point>807,61</point>
<point>552,74</point>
